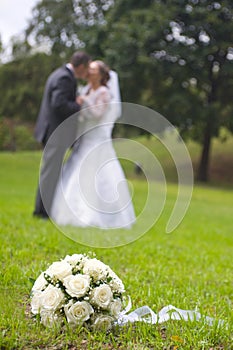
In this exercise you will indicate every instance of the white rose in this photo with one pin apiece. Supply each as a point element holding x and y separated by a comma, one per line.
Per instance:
<point>79,312</point>
<point>115,308</point>
<point>103,323</point>
<point>48,318</point>
<point>59,269</point>
<point>77,285</point>
<point>95,268</point>
<point>36,302</point>
<point>40,283</point>
<point>51,298</point>
<point>76,259</point>
<point>102,296</point>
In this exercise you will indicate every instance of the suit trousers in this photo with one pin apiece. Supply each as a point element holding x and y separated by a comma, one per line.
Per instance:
<point>52,159</point>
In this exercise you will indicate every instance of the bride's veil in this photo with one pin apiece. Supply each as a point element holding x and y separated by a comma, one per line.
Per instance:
<point>114,111</point>
<point>113,85</point>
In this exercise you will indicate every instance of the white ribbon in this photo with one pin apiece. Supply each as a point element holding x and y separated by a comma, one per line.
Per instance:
<point>169,312</point>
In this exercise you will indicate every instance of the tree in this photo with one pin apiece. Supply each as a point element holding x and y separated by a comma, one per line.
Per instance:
<point>199,40</point>
<point>176,57</point>
<point>57,23</point>
<point>21,85</point>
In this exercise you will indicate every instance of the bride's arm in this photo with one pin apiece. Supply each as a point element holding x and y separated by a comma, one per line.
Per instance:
<point>98,108</point>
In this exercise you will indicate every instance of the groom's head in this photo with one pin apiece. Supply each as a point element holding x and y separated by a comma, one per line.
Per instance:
<point>80,62</point>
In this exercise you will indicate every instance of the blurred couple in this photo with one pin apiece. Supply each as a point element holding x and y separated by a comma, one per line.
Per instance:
<point>90,188</point>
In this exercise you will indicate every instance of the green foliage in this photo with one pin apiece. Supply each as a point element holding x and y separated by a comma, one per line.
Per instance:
<point>21,85</point>
<point>176,57</point>
<point>61,22</point>
<point>16,137</point>
<point>24,139</point>
<point>5,135</point>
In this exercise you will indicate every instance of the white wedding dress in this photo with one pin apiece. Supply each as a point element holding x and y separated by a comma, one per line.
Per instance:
<point>93,190</point>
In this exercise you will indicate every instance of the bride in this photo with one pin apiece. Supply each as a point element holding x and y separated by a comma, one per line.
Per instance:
<point>93,190</point>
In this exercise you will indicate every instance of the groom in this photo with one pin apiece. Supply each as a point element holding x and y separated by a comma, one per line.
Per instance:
<point>58,104</point>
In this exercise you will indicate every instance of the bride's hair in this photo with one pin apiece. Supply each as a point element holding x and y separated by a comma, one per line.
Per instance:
<point>104,72</point>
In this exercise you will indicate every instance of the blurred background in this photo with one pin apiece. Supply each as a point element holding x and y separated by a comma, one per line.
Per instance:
<point>175,57</point>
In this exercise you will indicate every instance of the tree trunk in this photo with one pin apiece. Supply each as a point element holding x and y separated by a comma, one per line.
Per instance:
<point>203,168</point>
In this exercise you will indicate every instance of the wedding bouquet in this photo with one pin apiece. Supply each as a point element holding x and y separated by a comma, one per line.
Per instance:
<point>79,290</point>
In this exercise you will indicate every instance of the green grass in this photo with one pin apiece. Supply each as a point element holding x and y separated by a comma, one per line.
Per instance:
<point>189,268</point>
<point>221,158</point>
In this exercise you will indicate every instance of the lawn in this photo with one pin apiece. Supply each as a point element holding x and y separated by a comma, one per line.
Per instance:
<point>190,268</point>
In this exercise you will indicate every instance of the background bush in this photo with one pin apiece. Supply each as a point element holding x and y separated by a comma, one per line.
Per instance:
<point>16,136</point>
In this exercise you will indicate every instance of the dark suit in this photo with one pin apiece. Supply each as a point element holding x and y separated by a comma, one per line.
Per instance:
<point>57,105</point>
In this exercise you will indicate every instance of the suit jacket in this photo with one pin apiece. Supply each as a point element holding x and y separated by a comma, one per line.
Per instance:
<point>58,102</point>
